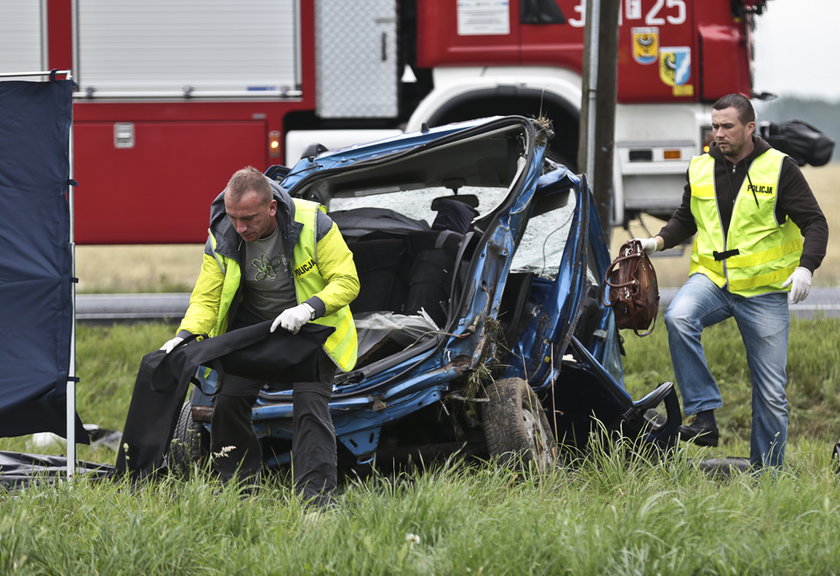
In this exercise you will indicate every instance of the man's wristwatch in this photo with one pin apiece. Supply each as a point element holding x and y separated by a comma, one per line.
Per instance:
<point>311,311</point>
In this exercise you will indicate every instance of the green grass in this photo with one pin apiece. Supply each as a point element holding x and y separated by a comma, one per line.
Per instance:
<point>612,513</point>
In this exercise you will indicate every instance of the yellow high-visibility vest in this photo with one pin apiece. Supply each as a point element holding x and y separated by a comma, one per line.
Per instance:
<point>342,345</point>
<point>223,275</point>
<point>758,253</point>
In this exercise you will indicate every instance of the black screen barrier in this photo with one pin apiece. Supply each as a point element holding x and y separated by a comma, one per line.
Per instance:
<point>36,311</point>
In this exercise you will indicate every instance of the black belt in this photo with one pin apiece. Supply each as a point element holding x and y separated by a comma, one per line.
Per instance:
<point>724,255</point>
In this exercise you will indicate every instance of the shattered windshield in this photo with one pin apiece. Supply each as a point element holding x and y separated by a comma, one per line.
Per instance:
<point>544,240</point>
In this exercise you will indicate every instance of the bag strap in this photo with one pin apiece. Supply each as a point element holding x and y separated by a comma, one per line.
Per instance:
<point>605,294</point>
<point>612,267</point>
<point>630,250</point>
<point>649,331</point>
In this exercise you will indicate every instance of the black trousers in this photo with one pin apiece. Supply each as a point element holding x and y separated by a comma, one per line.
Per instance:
<point>235,448</point>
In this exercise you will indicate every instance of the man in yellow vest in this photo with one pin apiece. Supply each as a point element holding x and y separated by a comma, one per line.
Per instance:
<point>748,207</point>
<point>269,256</point>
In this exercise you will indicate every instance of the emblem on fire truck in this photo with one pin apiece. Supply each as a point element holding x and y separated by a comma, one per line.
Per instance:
<point>675,65</point>
<point>645,44</point>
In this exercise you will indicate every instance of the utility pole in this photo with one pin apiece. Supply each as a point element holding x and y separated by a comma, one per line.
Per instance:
<point>597,138</point>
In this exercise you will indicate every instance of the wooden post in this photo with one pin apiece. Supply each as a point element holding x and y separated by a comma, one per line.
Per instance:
<point>597,141</point>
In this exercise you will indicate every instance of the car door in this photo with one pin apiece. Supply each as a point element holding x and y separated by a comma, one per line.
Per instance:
<point>553,254</point>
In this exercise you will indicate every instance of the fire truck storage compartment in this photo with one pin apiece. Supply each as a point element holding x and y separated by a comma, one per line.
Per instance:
<point>21,41</point>
<point>356,59</point>
<point>156,188</point>
<point>187,48</point>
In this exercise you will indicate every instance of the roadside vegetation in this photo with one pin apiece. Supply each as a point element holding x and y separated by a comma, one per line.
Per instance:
<point>612,515</point>
<point>613,512</point>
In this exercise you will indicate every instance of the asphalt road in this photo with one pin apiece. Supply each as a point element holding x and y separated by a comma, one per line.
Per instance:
<point>106,308</point>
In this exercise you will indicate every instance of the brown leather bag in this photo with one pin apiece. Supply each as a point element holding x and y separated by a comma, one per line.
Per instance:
<point>633,292</point>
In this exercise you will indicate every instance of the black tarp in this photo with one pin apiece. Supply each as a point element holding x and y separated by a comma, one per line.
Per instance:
<point>162,380</point>
<point>36,314</point>
<point>19,470</point>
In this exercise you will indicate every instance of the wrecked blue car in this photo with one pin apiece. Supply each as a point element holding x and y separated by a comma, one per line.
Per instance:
<point>482,328</point>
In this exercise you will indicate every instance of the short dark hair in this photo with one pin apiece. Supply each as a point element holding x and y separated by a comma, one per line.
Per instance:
<point>248,178</point>
<point>746,112</point>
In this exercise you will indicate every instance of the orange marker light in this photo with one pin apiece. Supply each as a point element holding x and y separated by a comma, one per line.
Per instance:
<point>274,143</point>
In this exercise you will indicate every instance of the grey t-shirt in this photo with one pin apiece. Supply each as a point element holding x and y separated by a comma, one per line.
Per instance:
<point>268,288</point>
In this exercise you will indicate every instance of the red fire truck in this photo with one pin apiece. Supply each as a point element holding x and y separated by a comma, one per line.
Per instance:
<point>174,95</point>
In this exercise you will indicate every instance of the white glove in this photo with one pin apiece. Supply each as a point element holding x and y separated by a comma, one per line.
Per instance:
<point>800,284</point>
<point>648,245</point>
<point>170,344</point>
<point>293,318</point>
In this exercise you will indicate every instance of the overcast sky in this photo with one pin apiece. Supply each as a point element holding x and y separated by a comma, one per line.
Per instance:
<point>797,49</point>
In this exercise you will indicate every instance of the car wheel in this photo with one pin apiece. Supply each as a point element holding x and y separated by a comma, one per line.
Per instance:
<point>516,428</point>
<point>190,444</point>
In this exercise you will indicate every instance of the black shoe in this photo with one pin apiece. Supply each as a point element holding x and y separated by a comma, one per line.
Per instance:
<point>703,431</point>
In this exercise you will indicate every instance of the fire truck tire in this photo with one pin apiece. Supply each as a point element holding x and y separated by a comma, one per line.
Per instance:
<point>516,428</point>
<point>190,446</point>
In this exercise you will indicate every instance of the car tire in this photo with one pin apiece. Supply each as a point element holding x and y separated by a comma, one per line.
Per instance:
<point>516,429</point>
<point>190,444</point>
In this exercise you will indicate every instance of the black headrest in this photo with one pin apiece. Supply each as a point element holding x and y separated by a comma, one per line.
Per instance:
<point>452,214</point>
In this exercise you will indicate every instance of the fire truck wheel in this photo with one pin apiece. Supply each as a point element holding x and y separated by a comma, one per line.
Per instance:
<point>516,428</point>
<point>190,444</point>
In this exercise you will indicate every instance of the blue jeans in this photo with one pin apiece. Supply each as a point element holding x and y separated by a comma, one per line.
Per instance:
<point>763,322</point>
